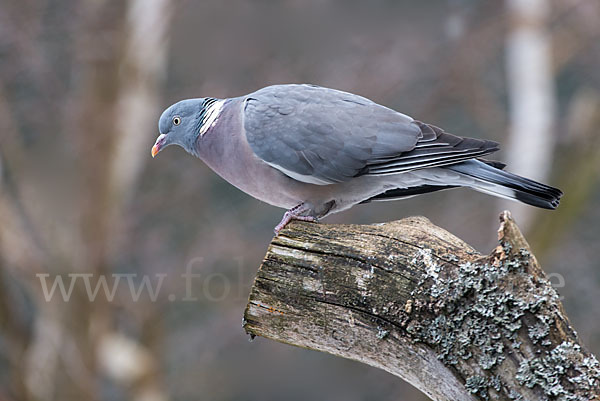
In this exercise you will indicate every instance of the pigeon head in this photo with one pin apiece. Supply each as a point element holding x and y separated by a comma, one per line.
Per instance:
<point>181,123</point>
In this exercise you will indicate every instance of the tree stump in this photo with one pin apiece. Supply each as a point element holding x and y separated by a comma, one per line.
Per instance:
<point>416,301</point>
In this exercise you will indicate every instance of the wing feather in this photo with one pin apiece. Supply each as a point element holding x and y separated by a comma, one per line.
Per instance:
<point>324,136</point>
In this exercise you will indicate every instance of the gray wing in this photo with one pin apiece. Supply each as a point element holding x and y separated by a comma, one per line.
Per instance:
<point>324,136</point>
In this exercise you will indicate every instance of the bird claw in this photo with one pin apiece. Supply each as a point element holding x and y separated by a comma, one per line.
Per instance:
<point>293,214</point>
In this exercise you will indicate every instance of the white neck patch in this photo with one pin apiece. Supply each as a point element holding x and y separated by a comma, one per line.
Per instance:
<point>212,115</point>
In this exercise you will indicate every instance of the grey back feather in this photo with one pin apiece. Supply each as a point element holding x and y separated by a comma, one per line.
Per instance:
<point>323,133</point>
<point>325,136</point>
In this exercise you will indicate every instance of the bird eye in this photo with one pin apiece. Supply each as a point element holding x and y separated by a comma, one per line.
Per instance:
<point>176,120</point>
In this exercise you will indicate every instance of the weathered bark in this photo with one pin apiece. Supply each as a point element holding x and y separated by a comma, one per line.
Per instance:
<point>412,299</point>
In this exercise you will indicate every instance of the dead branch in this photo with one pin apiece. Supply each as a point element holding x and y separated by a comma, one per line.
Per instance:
<point>414,300</point>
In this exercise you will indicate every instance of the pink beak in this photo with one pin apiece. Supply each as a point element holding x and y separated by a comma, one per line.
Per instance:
<point>158,144</point>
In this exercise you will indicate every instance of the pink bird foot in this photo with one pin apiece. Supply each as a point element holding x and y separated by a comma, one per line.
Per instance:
<point>294,213</point>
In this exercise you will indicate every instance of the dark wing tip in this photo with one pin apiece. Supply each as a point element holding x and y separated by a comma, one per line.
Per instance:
<point>435,148</point>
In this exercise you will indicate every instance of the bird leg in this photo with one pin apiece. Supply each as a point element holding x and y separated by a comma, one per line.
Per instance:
<point>294,213</point>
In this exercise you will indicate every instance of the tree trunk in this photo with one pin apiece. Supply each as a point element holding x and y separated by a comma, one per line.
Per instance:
<point>531,95</point>
<point>412,299</point>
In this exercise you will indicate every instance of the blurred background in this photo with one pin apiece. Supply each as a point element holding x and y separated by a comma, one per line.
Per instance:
<point>82,84</point>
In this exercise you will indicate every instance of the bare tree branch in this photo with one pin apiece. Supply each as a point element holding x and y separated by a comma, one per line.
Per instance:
<point>412,299</point>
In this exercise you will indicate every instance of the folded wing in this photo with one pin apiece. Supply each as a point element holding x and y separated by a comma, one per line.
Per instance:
<point>323,136</point>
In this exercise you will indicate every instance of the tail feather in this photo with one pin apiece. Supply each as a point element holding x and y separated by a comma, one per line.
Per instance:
<point>501,183</point>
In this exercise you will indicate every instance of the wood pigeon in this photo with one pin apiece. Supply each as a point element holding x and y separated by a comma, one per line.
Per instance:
<point>316,151</point>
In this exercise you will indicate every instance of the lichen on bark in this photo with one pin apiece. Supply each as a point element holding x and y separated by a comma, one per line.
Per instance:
<point>410,298</point>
